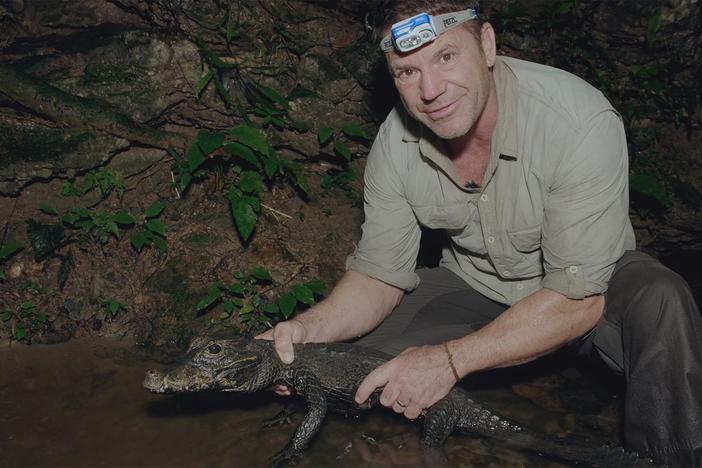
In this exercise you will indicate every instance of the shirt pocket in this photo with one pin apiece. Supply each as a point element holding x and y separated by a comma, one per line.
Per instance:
<point>526,240</point>
<point>447,216</point>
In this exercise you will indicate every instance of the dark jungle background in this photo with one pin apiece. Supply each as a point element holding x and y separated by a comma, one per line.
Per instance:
<point>172,166</point>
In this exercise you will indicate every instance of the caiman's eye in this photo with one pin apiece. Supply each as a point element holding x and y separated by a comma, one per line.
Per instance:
<point>214,348</point>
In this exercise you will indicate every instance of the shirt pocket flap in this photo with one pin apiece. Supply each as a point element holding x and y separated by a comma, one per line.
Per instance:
<point>450,216</point>
<point>527,239</point>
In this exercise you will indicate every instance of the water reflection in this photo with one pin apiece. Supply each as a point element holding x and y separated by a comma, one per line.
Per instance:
<point>81,404</point>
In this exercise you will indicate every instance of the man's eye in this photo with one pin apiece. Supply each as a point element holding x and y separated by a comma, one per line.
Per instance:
<point>405,75</point>
<point>446,58</point>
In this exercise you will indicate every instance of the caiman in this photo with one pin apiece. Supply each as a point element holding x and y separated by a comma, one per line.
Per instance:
<point>327,376</point>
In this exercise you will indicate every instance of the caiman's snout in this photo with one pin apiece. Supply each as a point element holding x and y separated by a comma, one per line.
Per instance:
<point>154,381</point>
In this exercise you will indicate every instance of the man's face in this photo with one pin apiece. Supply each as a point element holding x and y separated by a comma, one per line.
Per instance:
<point>446,83</point>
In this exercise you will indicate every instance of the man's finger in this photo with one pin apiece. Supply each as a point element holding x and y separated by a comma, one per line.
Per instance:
<point>284,343</point>
<point>266,335</point>
<point>389,395</point>
<point>375,379</point>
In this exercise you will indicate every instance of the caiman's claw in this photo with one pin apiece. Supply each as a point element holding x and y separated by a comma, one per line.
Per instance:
<point>282,458</point>
<point>283,417</point>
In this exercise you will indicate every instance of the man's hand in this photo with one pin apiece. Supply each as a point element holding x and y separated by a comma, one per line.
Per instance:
<point>413,381</point>
<point>284,335</point>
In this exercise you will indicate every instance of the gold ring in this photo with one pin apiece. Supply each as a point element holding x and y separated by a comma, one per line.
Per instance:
<point>400,404</point>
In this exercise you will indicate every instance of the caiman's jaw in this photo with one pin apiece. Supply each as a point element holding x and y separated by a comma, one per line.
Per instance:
<point>217,365</point>
<point>178,381</point>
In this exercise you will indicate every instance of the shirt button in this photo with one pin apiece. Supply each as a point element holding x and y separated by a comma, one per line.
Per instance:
<point>520,286</point>
<point>483,197</point>
<point>506,273</point>
<point>491,240</point>
<point>573,269</point>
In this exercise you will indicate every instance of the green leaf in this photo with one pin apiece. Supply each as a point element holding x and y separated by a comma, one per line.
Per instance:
<point>272,164</point>
<point>195,157</point>
<point>271,308</point>
<point>212,296</point>
<point>41,317</point>
<point>246,309</point>
<point>209,141</point>
<point>45,239</point>
<point>156,226</point>
<point>250,182</point>
<point>261,274</point>
<point>29,305</point>
<point>654,25</point>
<point>287,303</point>
<point>114,229</point>
<point>250,137</point>
<point>242,113</point>
<point>243,152</point>
<point>355,131</point>
<point>19,333</point>
<point>244,215</point>
<point>273,95</point>
<point>139,240</point>
<point>154,209</point>
<point>297,174</point>
<point>237,289</point>
<point>6,315</point>
<point>10,249</point>
<point>324,135</point>
<point>202,84</point>
<point>123,218</point>
<point>303,294</point>
<point>229,307</point>
<point>342,150</point>
<point>160,243</point>
<point>317,287</point>
<point>299,126</point>
<point>48,209</point>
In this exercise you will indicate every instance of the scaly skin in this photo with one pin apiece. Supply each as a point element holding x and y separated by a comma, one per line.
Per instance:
<point>327,376</point>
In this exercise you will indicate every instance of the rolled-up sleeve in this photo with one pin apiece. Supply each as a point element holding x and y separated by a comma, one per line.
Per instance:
<point>586,227</point>
<point>391,234</point>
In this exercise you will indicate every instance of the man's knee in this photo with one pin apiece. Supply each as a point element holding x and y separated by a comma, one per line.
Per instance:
<point>647,303</point>
<point>645,289</point>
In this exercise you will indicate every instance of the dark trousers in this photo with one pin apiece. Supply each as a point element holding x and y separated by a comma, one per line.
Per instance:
<point>650,332</point>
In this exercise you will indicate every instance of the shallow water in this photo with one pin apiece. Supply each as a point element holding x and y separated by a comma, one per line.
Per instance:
<point>82,404</point>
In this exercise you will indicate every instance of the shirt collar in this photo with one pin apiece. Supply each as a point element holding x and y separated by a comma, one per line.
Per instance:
<point>504,138</point>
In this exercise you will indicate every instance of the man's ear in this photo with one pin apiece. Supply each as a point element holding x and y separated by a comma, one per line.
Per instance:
<point>488,43</point>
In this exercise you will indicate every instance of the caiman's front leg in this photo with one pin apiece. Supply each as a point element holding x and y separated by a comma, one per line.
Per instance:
<point>310,389</point>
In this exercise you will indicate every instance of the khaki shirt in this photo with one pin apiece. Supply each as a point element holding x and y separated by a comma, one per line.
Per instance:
<point>553,208</point>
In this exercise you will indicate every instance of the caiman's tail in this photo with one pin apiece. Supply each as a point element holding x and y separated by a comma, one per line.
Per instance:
<point>464,415</point>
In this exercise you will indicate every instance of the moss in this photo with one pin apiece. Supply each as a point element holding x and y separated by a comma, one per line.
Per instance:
<point>37,144</point>
<point>331,69</point>
<point>201,240</point>
<point>101,73</point>
<point>173,325</point>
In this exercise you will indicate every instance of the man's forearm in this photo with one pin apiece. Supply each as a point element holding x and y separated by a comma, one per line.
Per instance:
<point>356,305</point>
<point>537,325</point>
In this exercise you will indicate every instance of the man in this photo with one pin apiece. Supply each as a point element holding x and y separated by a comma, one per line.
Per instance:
<point>525,168</point>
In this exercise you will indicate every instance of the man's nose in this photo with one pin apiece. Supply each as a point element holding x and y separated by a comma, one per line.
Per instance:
<point>431,86</point>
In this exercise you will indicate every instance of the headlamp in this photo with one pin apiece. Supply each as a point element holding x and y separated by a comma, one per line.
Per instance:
<point>423,28</point>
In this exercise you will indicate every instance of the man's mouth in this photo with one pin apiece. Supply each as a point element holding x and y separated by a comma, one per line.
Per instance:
<point>441,112</point>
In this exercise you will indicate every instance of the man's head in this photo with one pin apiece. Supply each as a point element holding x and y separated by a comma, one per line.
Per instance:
<point>445,84</point>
